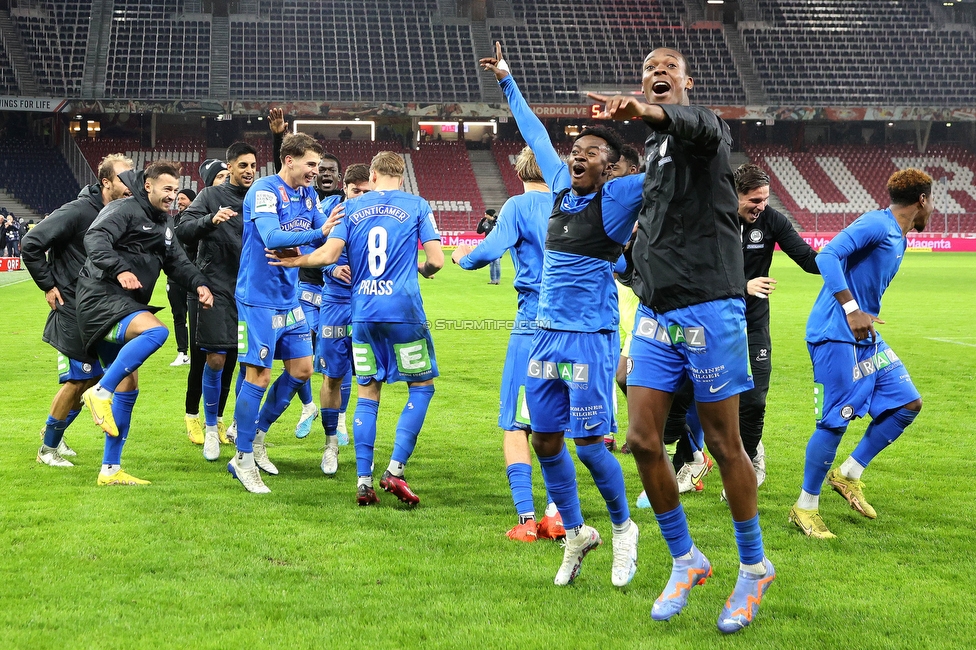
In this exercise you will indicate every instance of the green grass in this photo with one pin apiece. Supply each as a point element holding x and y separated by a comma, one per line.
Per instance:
<point>194,561</point>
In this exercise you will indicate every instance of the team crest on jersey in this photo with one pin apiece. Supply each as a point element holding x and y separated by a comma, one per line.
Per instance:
<point>308,203</point>
<point>169,237</point>
<point>755,236</point>
<point>283,193</point>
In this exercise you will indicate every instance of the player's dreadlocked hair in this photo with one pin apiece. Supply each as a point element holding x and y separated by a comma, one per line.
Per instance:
<point>611,137</point>
<point>907,185</point>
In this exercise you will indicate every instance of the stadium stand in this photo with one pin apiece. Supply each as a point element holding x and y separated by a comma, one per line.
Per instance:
<point>385,50</point>
<point>843,52</point>
<point>36,175</point>
<point>625,30</point>
<point>8,80</point>
<point>190,152</point>
<point>157,52</point>
<point>446,180</point>
<point>55,37</point>
<point>826,188</point>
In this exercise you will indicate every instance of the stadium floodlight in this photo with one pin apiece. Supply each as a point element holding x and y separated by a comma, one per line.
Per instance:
<point>716,2</point>
<point>356,122</point>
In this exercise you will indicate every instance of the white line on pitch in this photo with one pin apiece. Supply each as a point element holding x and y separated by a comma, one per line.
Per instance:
<point>968,345</point>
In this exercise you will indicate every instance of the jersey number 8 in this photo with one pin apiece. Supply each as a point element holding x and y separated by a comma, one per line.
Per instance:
<point>376,255</point>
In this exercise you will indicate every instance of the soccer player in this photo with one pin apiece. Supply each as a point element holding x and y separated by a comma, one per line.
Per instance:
<point>763,228</point>
<point>691,323</point>
<point>521,228</point>
<point>311,281</point>
<point>570,385</point>
<point>279,211</point>
<point>212,226</point>
<point>128,244</point>
<point>54,252</point>
<point>390,341</point>
<point>213,172</point>
<point>855,372</point>
<point>178,299</point>
<point>333,347</point>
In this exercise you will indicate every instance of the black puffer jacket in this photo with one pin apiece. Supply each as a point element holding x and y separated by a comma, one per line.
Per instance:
<point>128,235</point>
<point>54,252</point>
<point>218,246</point>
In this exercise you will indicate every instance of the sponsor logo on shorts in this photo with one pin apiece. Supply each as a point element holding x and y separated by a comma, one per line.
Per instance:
<point>589,427</point>
<point>522,409</point>
<point>847,412</point>
<point>715,389</point>
<point>877,362</point>
<point>818,400</point>
<point>241,337</point>
<point>412,358</point>
<point>363,359</point>
<point>334,331</point>
<point>649,328</point>
<point>576,373</point>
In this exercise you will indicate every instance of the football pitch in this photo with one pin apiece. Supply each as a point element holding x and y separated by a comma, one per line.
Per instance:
<point>193,561</point>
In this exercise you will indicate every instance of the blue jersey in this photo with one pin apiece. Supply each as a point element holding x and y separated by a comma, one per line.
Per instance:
<point>863,258</point>
<point>521,227</point>
<point>577,293</point>
<point>334,290</point>
<point>275,216</point>
<point>380,230</point>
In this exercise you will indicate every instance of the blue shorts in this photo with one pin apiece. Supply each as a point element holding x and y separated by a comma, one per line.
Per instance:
<point>392,352</point>
<point>705,342</point>
<point>854,380</point>
<point>264,335</point>
<point>310,301</point>
<point>513,412</point>
<point>72,370</point>
<point>110,345</point>
<point>333,346</point>
<point>570,384</point>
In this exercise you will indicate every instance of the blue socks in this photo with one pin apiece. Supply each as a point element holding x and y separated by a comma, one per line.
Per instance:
<point>695,434</point>
<point>364,433</point>
<point>246,414</point>
<point>520,482</point>
<point>882,431</point>
<point>122,404</point>
<point>560,477</point>
<point>344,391</point>
<point>54,431</point>
<point>279,397</point>
<point>132,355</point>
<point>239,381</point>
<point>748,538</point>
<point>330,420</point>
<point>821,451</point>
<point>674,530</point>
<point>411,421</point>
<point>211,395</point>
<point>305,392</point>
<point>609,478</point>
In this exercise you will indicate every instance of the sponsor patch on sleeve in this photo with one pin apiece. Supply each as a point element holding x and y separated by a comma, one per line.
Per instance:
<point>265,202</point>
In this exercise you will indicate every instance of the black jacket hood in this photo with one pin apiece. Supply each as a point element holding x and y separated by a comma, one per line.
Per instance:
<point>136,182</point>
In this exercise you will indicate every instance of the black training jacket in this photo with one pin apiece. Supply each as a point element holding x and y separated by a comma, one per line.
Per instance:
<point>759,240</point>
<point>218,246</point>
<point>54,252</point>
<point>128,235</point>
<point>688,249</point>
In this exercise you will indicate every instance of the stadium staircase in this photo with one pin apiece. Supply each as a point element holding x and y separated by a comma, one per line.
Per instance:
<point>489,178</point>
<point>96,55</point>
<point>755,93</point>
<point>14,206</point>
<point>220,58</point>
<point>14,46</point>
<point>481,42</point>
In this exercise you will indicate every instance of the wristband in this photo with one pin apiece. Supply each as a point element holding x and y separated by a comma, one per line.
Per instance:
<point>503,65</point>
<point>850,306</point>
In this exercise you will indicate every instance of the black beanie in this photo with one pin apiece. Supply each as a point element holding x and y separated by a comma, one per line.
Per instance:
<point>209,170</point>
<point>188,193</point>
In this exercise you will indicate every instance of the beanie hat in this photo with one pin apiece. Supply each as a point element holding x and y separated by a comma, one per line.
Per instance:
<point>209,170</point>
